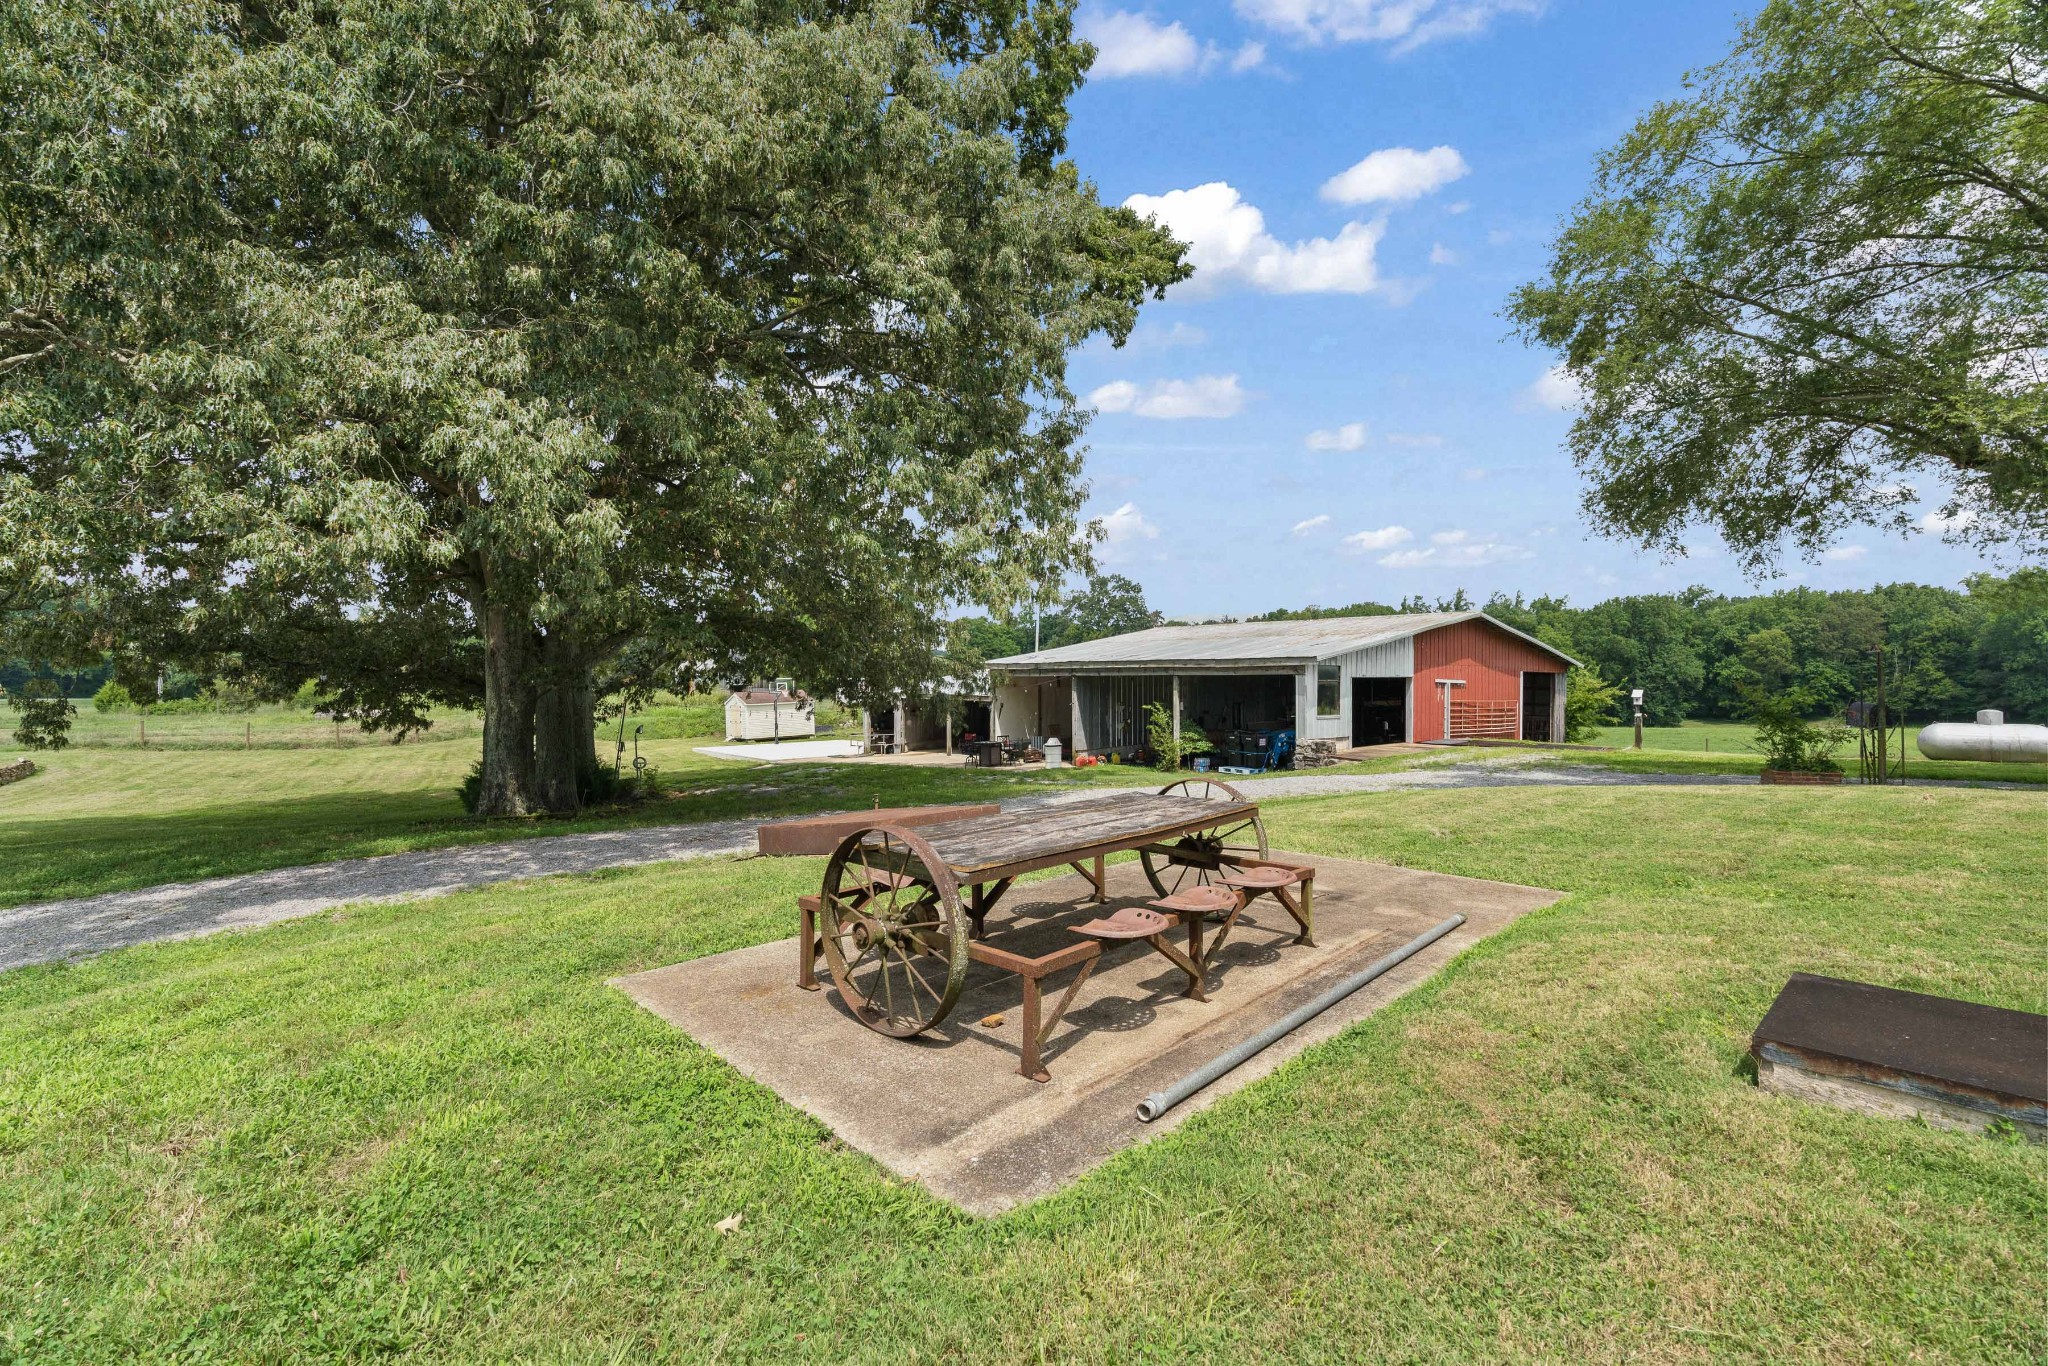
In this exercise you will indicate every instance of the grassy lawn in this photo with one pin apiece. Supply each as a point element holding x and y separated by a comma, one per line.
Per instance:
<point>1726,747</point>
<point>432,1131</point>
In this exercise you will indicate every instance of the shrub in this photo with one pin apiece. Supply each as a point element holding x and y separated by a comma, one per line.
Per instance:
<point>45,715</point>
<point>1168,753</point>
<point>308,697</point>
<point>1791,743</point>
<point>112,697</point>
<point>1588,702</point>
<point>472,787</point>
<point>609,787</point>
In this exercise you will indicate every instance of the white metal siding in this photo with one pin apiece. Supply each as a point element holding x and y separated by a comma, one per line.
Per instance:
<point>1393,659</point>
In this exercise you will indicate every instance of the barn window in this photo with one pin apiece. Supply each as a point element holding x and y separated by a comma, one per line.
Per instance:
<point>1329,690</point>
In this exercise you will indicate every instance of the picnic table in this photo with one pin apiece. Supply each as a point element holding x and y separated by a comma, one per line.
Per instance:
<point>903,912</point>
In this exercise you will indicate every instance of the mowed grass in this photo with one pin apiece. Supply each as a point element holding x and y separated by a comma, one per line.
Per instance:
<point>1730,747</point>
<point>433,1132</point>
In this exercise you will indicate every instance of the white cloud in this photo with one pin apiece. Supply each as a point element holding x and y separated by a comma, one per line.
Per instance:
<point>1456,549</point>
<point>1458,207</point>
<point>1117,396</point>
<point>1128,44</point>
<point>1396,175</point>
<point>1316,523</point>
<point>1348,437</point>
<point>1420,440</point>
<point>1843,554</point>
<point>1202,396</point>
<point>1384,539</point>
<point>1127,524</point>
<point>1405,23</point>
<point>1554,389</point>
<point>1228,243</point>
<point>1499,237</point>
<point>1947,524</point>
<point>1441,255</point>
<point>1151,337</point>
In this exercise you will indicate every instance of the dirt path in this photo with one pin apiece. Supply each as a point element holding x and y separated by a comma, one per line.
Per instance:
<point>52,930</point>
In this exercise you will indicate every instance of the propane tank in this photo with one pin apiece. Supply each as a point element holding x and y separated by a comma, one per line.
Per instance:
<point>1989,740</point>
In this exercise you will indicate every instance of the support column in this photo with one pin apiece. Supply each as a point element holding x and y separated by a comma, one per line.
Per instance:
<point>1074,714</point>
<point>949,732</point>
<point>1176,720</point>
<point>897,740</point>
<point>867,731</point>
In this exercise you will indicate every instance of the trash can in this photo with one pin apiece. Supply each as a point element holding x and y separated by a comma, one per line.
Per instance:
<point>1053,749</point>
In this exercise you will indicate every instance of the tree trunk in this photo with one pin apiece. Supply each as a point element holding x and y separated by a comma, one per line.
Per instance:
<point>565,747</point>
<point>508,770</point>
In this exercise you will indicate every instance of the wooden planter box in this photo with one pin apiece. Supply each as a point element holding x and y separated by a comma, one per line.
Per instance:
<point>1800,778</point>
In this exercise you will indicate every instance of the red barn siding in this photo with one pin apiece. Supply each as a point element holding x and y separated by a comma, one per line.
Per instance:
<point>1490,660</point>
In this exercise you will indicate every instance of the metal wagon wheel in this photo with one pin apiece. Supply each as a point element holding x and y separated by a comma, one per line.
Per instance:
<point>1199,857</point>
<point>895,934</point>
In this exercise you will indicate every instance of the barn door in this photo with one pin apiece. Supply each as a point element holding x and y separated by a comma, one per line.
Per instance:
<point>1538,691</point>
<point>1379,711</point>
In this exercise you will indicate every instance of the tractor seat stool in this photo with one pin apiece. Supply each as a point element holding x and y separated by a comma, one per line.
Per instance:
<point>1274,880</point>
<point>1135,922</point>
<point>1198,904</point>
<point>1262,879</point>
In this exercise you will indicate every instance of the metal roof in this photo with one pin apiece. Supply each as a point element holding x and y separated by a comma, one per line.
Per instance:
<point>1249,642</point>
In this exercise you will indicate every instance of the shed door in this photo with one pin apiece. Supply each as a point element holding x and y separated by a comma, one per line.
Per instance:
<point>1379,711</point>
<point>1538,691</point>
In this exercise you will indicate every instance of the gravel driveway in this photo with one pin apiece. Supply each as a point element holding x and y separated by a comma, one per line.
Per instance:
<point>51,930</point>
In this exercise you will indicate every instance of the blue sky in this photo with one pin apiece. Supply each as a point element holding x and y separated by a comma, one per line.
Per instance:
<point>1332,409</point>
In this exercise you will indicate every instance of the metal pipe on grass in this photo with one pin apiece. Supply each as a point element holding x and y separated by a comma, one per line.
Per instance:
<point>1159,1102</point>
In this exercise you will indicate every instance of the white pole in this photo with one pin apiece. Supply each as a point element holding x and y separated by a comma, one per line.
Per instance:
<point>1176,720</point>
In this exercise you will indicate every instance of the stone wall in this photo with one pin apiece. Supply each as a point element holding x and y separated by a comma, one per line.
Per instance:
<point>1316,754</point>
<point>16,771</point>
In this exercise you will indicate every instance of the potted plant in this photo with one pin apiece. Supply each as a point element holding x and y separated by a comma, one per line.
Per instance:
<point>1795,750</point>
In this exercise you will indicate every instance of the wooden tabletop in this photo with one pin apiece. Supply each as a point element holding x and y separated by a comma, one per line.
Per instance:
<point>1126,820</point>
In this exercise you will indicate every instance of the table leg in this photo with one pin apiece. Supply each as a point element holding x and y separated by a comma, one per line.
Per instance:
<point>1031,1066</point>
<point>1101,881</point>
<point>807,946</point>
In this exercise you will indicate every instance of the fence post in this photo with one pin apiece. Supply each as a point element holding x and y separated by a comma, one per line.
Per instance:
<point>248,735</point>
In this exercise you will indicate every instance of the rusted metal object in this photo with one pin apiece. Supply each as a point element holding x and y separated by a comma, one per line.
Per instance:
<point>1881,1050</point>
<point>1194,860</point>
<point>820,835</point>
<point>1275,880</point>
<point>897,935</point>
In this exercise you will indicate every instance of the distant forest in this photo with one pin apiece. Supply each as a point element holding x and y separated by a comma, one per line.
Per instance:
<point>1947,652</point>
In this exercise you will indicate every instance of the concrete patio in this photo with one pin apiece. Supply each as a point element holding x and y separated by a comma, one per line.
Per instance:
<point>949,1109</point>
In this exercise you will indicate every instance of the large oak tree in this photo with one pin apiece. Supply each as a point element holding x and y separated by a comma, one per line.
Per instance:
<point>441,349</point>
<point>1818,282</point>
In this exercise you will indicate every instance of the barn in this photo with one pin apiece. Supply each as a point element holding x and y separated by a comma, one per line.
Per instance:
<point>1357,681</point>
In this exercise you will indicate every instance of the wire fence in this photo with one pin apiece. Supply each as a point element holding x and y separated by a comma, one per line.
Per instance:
<point>266,732</point>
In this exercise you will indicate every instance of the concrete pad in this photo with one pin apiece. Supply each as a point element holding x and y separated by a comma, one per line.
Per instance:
<point>949,1110</point>
<point>786,751</point>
